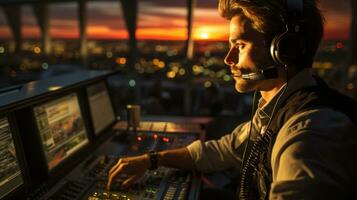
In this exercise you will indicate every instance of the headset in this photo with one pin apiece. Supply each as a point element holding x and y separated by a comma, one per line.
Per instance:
<point>286,48</point>
<point>290,46</point>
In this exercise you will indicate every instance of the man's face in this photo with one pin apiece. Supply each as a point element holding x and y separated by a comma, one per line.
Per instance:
<point>248,53</point>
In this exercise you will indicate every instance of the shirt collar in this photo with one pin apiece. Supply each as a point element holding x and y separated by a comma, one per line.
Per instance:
<point>301,80</point>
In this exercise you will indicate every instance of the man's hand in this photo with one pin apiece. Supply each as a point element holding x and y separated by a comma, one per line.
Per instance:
<point>133,167</point>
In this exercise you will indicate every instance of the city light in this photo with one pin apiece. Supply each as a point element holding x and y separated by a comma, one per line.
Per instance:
<point>2,49</point>
<point>171,74</point>
<point>155,61</point>
<point>109,54</point>
<point>207,84</point>
<point>121,60</point>
<point>227,78</point>
<point>44,66</point>
<point>175,69</point>
<point>182,71</point>
<point>161,64</point>
<point>197,69</point>
<point>132,83</point>
<point>37,50</point>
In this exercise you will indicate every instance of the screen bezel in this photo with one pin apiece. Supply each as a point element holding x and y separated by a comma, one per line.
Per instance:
<point>18,191</point>
<point>66,162</point>
<point>110,125</point>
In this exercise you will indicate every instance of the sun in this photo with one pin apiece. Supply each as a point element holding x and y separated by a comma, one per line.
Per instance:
<point>204,35</point>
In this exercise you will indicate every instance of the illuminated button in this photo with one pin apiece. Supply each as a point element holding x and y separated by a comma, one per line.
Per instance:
<point>114,196</point>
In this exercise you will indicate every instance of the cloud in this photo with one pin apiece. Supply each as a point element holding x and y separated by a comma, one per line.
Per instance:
<point>156,15</point>
<point>66,11</point>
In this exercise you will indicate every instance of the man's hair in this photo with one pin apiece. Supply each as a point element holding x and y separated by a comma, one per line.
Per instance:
<point>265,16</point>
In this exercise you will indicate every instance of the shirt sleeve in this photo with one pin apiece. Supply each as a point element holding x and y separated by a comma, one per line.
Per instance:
<point>313,157</point>
<point>216,155</point>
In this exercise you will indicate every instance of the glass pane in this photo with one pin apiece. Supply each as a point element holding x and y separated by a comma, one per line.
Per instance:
<point>30,28</point>
<point>7,47</point>
<point>107,36</point>
<point>64,31</point>
<point>31,49</point>
<point>63,20</point>
<point>161,33</point>
<point>334,48</point>
<point>214,92</point>
<point>5,32</point>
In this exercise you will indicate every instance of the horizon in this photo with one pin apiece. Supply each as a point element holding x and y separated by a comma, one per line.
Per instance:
<point>157,20</point>
<point>161,40</point>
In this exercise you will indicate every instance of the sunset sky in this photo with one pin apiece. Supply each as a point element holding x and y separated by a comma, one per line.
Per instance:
<point>157,19</point>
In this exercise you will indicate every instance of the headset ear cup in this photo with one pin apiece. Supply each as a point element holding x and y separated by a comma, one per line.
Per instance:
<point>275,50</point>
<point>287,48</point>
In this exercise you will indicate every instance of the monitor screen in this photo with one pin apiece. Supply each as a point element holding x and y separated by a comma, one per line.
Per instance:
<point>10,172</point>
<point>100,107</point>
<point>61,128</point>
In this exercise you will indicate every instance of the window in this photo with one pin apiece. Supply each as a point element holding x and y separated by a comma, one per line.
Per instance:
<point>107,36</point>
<point>332,54</point>
<point>161,34</point>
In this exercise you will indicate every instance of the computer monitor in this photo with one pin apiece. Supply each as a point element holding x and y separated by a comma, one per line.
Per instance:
<point>61,128</point>
<point>101,108</point>
<point>10,172</point>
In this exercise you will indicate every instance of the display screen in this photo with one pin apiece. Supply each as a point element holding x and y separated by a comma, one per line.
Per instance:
<point>100,106</point>
<point>10,173</point>
<point>61,128</point>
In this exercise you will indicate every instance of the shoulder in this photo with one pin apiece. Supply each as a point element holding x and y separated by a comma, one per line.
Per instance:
<point>320,121</point>
<point>317,135</point>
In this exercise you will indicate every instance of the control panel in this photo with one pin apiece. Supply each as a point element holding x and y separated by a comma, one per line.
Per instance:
<point>89,179</point>
<point>163,183</point>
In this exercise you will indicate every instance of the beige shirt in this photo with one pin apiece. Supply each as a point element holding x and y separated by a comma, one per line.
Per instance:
<point>314,156</point>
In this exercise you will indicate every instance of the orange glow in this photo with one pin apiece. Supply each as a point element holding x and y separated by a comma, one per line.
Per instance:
<point>204,35</point>
<point>170,24</point>
<point>5,32</point>
<point>103,32</point>
<point>211,32</point>
<point>161,33</point>
<point>31,32</point>
<point>61,33</point>
<point>121,60</point>
<point>37,50</point>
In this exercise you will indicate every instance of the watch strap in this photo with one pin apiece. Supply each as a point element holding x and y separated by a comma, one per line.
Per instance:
<point>153,160</point>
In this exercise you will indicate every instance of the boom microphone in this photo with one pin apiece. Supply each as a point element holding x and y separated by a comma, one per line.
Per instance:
<point>263,74</point>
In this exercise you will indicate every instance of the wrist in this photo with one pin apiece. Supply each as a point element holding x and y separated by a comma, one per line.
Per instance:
<point>153,160</point>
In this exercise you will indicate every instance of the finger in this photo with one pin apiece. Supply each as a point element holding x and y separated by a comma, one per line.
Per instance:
<point>129,181</point>
<point>113,175</point>
<point>115,167</point>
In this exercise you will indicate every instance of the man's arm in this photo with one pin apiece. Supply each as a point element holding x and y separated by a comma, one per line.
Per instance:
<point>176,158</point>
<point>204,156</point>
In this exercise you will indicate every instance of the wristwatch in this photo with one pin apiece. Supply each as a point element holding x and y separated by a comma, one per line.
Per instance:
<point>153,160</point>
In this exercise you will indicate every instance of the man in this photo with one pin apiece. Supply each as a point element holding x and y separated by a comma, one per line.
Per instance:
<point>299,144</point>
